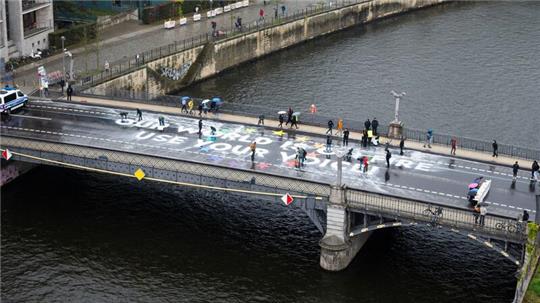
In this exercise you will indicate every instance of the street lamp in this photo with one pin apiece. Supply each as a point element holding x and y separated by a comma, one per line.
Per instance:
<point>398,97</point>
<point>63,58</point>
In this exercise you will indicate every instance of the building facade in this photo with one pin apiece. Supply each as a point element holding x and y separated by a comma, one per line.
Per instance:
<point>25,26</point>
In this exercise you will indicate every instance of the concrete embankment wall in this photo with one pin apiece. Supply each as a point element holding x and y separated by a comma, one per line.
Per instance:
<point>167,74</point>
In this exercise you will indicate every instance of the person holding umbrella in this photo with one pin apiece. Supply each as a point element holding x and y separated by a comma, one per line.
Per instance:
<point>281,117</point>
<point>253,148</point>
<point>330,125</point>
<point>294,121</point>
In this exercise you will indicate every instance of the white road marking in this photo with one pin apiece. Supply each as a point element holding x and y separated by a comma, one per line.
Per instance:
<point>31,117</point>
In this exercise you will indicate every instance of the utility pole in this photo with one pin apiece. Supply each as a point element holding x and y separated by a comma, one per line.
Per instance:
<point>98,34</point>
<point>63,58</point>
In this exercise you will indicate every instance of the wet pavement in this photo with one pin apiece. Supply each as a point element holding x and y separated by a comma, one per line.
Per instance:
<point>415,175</point>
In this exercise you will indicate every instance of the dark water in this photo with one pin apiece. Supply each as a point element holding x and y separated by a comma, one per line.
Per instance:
<point>470,69</point>
<point>70,236</point>
<point>85,237</point>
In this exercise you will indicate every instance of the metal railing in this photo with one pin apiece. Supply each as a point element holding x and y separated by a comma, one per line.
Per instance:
<point>451,217</point>
<point>162,167</point>
<point>30,4</point>
<point>125,65</point>
<point>321,121</point>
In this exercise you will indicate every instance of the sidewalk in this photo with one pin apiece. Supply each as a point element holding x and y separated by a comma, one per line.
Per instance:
<point>119,43</point>
<point>314,130</point>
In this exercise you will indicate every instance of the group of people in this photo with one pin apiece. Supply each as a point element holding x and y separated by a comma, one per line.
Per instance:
<point>291,118</point>
<point>188,105</point>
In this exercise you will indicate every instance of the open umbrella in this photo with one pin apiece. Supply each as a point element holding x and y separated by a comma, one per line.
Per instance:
<point>205,101</point>
<point>185,98</point>
<point>218,100</point>
<point>296,114</point>
<point>281,112</point>
<point>473,185</point>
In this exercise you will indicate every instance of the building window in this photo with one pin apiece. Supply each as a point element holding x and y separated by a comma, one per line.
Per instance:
<point>29,20</point>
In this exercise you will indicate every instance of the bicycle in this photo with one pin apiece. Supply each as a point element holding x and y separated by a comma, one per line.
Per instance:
<point>435,214</point>
<point>510,227</point>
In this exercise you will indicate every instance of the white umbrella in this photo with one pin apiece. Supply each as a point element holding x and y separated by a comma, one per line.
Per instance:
<point>205,101</point>
<point>281,112</point>
<point>296,114</point>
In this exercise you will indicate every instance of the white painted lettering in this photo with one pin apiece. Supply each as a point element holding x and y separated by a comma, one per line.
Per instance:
<point>162,138</point>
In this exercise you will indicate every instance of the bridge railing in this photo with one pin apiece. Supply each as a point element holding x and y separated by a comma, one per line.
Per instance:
<point>161,167</point>
<point>321,120</point>
<point>133,63</point>
<point>494,226</point>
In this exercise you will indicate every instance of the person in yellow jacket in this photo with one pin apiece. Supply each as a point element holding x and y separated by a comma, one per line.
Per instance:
<point>339,127</point>
<point>190,106</point>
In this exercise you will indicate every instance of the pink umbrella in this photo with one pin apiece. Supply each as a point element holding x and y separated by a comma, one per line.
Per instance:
<point>473,185</point>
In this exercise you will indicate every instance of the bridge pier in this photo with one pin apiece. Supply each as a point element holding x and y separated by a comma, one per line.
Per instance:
<point>337,248</point>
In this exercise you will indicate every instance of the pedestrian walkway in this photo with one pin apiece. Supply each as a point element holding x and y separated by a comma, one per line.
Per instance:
<point>118,44</point>
<point>314,130</point>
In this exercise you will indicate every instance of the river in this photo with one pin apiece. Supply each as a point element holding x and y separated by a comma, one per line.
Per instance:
<point>468,68</point>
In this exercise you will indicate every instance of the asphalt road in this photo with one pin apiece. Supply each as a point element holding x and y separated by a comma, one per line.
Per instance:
<point>416,175</point>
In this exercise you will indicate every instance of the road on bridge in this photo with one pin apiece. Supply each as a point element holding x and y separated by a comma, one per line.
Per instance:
<point>415,175</point>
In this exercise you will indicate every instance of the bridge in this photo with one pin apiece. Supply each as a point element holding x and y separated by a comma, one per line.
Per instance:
<point>346,209</point>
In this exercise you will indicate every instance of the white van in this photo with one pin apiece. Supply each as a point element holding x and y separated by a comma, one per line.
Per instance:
<point>11,99</point>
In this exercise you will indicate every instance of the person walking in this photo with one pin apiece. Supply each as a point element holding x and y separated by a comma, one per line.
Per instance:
<point>190,106</point>
<point>294,121</point>
<point>161,121</point>
<point>328,143</point>
<point>515,169</point>
<point>346,137</point>
<point>283,10</point>
<point>139,115</point>
<point>303,155</point>
<point>429,136</point>
<point>200,128</point>
<point>69,92</point>
<point>483,212</point>
<point>374,126</point>
<point>261,15</point>
<point>289,116</point>
<point>367,124</point>
<point>453,143</point>
<point>106,65</point>
<point>330,125</point>
<point>476,213</point>
<point>534,171</point>
<point>62,84</point>
<point>261,120</point>
<point>339,131</point>
<point>200,108</point>
<point>388,156</point>
<point>253,147</point>
<point>280,118</point>
<point>495,149</point>
<point>184,105</point>
<point>401,145</point>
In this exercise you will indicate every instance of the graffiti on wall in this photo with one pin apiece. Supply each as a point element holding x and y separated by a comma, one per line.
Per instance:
<point>175,73</point>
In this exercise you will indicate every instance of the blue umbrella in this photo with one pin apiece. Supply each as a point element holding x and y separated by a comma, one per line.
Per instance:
<point>185,98</point>
<point>217,100</point>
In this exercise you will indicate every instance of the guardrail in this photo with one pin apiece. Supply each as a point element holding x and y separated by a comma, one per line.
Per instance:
<point>452,217</point>
<point>180,170</point>
<point>133,63</point>
<point>321,121</point>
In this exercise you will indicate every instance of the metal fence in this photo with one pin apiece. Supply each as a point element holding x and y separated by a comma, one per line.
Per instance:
<point>133,63</point>
<point>162,167</point>
<point>321,121</point>
<point>452,217</point>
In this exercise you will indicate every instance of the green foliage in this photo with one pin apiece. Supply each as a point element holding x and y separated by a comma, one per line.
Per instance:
<point>533,292</point>
<point>74,35</point>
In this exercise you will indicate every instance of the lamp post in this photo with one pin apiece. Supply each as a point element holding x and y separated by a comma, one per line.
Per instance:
<point>398,97</point>
<point>63,58</point>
